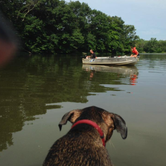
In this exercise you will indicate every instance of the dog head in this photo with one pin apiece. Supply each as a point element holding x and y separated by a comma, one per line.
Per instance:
<point>107,121</point>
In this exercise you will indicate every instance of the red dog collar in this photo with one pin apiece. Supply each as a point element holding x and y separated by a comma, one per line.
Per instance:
<point>86,121</point>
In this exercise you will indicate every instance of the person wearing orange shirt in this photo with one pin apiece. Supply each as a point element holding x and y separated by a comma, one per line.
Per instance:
<point>134,51</point>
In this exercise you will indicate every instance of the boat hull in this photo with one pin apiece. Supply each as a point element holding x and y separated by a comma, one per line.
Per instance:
<point>120,61</point>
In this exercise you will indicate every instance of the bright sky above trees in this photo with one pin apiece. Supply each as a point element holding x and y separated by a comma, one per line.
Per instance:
<point>148,16</point>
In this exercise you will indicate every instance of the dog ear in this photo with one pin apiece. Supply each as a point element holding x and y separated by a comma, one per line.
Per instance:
<point>69,116</point>
<point>120,125</point>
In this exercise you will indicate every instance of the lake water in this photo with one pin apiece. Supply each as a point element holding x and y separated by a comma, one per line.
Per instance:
<point>35,92</point>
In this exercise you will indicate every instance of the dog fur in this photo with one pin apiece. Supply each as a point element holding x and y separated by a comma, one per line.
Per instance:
<point>82,145</point>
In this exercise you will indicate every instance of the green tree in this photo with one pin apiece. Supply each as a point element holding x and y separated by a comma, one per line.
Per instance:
<point>55,26</point>
<point>151,46</point>
<point>114,38</point>
<point>129,37</point>
<point>140,44</point>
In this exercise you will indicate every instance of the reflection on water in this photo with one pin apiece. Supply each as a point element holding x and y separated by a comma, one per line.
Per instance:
<point>30,85</point>
<point>129,72</point>
<point>124,70</point>
<point>36,91</point>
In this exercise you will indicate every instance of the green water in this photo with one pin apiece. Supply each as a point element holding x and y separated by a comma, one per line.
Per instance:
<point>35,92</point>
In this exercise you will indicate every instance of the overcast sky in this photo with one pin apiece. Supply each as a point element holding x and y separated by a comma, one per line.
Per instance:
<point>148,16</point>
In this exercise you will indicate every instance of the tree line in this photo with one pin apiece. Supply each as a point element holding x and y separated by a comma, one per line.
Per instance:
<point>56,26</point>
<point>151,46</point>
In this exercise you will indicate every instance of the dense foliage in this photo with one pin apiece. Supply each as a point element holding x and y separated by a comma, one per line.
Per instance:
<point>55,26</point>
<point>151,46</point>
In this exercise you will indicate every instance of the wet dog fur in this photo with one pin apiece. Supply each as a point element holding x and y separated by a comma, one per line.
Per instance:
<point>82,145</point>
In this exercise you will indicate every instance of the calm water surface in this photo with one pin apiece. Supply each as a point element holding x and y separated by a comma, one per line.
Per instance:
<point>35,92</point>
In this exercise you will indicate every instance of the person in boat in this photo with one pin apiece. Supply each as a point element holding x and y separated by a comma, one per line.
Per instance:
<point>134,51</point>
<point>92,56</point>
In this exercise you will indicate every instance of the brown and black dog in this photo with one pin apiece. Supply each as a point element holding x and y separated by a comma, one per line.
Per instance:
<point>84,144</point>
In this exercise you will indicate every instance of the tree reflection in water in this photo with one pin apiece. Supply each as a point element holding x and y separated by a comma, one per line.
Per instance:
<point>30,84</point>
